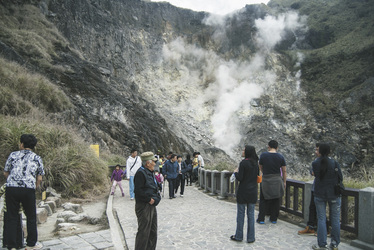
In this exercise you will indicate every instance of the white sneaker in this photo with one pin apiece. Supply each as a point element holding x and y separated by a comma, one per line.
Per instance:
<point>37,246</point>
<point>181,195</point>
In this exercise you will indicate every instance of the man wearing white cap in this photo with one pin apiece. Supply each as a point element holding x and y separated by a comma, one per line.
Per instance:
<point>147,197</point>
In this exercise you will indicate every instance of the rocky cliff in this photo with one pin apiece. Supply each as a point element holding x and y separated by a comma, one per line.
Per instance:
<point>156,77</point>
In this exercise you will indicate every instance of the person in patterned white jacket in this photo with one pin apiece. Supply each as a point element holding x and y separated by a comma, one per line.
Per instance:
<point>23,170</point>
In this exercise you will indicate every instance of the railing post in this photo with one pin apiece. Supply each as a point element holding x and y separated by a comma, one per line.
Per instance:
<point>214,182</point>
<point>365,219</point>
<point>206,187</point>
<point>307,197</point>
<point>202,180</point>
<point>224,186</point>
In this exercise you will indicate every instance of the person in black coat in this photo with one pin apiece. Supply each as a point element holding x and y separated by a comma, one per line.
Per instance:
<point>246,196</point>
<point>182,170</point>
<point>147,197</point>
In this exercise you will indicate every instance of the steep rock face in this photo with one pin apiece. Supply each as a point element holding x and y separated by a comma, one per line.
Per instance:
<point>176,58</point>
<point>153,76</point>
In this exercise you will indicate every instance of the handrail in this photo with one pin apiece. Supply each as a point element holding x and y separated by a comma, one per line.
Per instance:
<point>294,201</point>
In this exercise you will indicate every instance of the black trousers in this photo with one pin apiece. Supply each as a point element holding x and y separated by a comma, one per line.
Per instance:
<point>312,220</point>
<point>20,242</point>
<point>180,182</point>
<point>146,237</point>
<point>172,185</point>
<point>189,177</point>
<point>272,205</point>
<point>13,197</point>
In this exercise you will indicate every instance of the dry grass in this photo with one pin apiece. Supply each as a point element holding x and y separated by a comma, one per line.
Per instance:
<point>71,167</point>
<point>22,91</point>
<point>27,30</point>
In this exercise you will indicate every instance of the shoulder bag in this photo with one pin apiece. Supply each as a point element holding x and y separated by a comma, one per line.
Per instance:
<point>339,187</point>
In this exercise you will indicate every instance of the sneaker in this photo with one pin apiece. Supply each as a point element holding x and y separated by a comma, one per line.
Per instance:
<point>37,246</point>
<point>307,231</point>
<point>111,193</point>
<point>123,195</point>
<point>274,221</point>
<point>260,222</point>
<point>131,198</point>
<point>316,247</point>
<point>181,195</point>
<point>333,247</point>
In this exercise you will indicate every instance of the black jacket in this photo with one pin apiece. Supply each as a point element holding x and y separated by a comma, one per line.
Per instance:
<point>247,177</point>
<point>146,187</point>
<point>324,188</point>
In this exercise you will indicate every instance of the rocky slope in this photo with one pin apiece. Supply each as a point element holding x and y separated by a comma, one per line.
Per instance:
<point>156,77</point>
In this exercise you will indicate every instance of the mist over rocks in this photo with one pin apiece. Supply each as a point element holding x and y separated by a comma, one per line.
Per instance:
<point>152,76</point>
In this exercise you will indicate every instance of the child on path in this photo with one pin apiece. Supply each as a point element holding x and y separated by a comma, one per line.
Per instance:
<point>159,178</point>
<point>116,179</point>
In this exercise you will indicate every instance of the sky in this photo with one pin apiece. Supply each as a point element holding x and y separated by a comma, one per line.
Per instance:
<point>219,7</point>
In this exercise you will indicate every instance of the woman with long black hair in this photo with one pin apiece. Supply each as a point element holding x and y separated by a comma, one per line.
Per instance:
<point>246,196</point>
<point>327,173</point>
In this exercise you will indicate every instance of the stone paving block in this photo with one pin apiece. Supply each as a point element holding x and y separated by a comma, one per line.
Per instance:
<point>52,242</point>
<point>59,246</point>
<point>41,215</point>
<point>88,235</point>
<point>96,239</point>
<point>73,240</point>
<point>52,205</point>
<point>57,200</point>
<point>77,208</point>
<point>102,245</point>
<point>105,234</point>
<point>48,208</point>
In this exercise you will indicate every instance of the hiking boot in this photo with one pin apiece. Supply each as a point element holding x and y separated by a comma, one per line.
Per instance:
<point>307,231</point>
<point>316,247</point>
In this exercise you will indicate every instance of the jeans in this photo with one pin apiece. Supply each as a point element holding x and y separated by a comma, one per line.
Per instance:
<point>132,187</point>
<point>334,206</point>
<point>250,221</point>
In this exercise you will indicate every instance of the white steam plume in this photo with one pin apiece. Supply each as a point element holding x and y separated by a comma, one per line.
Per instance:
<point>222,91</point>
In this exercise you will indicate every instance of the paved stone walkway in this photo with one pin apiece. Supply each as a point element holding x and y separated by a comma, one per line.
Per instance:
<point>86,241</point>
<point>199,221</point>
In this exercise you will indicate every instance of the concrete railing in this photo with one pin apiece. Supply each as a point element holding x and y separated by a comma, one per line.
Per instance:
<point>359,203</point>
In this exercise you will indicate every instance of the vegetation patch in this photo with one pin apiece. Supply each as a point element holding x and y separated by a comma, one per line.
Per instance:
<point>21,91</point>
<point>71,167</point>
